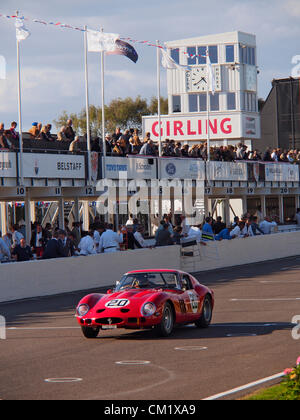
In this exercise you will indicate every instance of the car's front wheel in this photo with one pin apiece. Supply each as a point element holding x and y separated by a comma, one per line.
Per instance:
<point>90,332</point>
<point>206,316</point>
<point>166,325</point>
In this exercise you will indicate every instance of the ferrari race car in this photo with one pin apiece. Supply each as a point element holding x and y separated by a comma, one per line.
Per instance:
<point>147,299</point>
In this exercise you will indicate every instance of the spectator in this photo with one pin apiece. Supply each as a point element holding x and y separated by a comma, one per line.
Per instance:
<point>4,249</point>
<point>148,148</point>
<point>34,131</point>
<point>22,252</point>
<point>254,227</point>
<point>16,235</point>
<point>69,132</point>
<point>13,134</point>
<point>86,245</point>
<point>54,248</point>
<point>61,135</point>
<point>37,242</point>
<point>218,226</point>
<point>75,145</point>
<point>164,237</point>
<point>225,234</point>
<point>138,236</point>
<point>207,230</point>
<point>45,133</point>
<point>297,217</point>
<point>195,232</point>
<point>110,241</point>
<point>266,225</point>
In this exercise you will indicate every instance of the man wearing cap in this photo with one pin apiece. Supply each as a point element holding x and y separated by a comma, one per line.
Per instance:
<point>34,131</point>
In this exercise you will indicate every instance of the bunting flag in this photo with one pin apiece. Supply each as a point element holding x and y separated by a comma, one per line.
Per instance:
<point>169,63</point>
<point>123,48</point>
<point>22,32</point>
<point>101,41</point>
<point>210,74</point>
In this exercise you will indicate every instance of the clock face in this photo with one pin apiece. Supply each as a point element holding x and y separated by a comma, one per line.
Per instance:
<point>196,79</point>
<point>251,78</point>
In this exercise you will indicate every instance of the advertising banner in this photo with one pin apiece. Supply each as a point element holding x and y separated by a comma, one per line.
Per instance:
<point>172,168</point>
<point>283,172</point>
<point>131,168</point>
<point>8,165</point>
<point>53,166</point>
<point>227,171</point>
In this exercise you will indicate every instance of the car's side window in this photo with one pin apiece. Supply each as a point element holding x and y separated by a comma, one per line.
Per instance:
<point>186,280</point>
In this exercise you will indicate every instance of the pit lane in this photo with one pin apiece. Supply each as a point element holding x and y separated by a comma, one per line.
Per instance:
<point>250,338</point>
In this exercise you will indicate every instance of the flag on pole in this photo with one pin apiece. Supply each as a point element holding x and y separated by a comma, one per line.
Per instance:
<point>168,62</point>
<point>123,48</point>
<point>22,32</point>
<point>101,41</point>
<point>210,75</point>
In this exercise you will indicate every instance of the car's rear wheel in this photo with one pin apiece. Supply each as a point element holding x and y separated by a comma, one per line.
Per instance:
<point>206,316</point>
<point>166,326</point>
<point>90,332</point>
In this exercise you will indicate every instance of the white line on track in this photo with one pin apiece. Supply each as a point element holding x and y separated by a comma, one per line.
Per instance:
<point>264,300</point>
<point>244,387</point>
<point>42,328</point>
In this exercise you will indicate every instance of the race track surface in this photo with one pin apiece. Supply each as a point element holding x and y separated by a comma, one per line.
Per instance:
<point>250,338</point>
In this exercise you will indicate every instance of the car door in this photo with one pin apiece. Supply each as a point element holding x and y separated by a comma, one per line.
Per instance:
<point>191,299</point>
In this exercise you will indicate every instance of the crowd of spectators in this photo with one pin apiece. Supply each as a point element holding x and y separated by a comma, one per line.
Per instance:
<point>131,143</point>
<point>53,242</point>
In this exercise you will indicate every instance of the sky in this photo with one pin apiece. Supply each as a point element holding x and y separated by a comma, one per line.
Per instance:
<point>52,59</point>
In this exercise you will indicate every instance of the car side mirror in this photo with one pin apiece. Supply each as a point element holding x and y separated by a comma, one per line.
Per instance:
<point>109,292</point>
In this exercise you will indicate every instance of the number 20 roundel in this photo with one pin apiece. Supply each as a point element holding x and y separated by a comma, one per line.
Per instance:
<point>117,303</point>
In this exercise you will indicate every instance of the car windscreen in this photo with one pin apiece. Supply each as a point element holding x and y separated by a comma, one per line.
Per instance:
<point>148,280</point>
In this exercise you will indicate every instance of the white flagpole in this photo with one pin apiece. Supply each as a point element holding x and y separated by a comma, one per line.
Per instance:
<point>208,107</point>
<point>20,112</point>
<point>88,138</point>
<point>103,115</point>
<point>158,99</point>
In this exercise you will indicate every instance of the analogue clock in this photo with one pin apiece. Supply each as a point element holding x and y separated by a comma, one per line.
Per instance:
<point>251,78</point>
<point>196,79</point>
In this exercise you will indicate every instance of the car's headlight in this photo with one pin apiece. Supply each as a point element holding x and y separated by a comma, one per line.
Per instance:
<point>83,309</point>
<point>148,309</point>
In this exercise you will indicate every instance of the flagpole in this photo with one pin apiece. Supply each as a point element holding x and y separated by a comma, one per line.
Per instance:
<point>158,99</point>
<point>20,111</point>
<point>88,136</point>
<point>103,114</point>
<point>208,108</point>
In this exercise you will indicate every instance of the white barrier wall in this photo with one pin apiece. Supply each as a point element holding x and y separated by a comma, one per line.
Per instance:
<point>50,277</point>
<point>243,251</point>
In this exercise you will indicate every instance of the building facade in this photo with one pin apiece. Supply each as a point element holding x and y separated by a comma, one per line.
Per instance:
<point>234,115</point>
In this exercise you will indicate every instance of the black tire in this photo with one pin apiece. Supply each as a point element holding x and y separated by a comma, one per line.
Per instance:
<point>165,328</point>
<point>90,332</point>
<point>206,316</point>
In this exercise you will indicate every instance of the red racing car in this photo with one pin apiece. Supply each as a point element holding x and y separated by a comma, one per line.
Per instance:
<point>148,299</point>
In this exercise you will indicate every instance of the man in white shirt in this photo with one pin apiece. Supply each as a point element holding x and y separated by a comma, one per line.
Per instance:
<point>4,250</point>
<point>266,226</point>
<point>195,232</point>
<point>297,217</point>
<point>138,235</point>
<point>86,245</point>
<point>16,235</point>
<point>110,241</point>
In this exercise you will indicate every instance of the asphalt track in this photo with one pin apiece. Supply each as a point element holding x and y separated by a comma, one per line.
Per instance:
<point>45,357</point>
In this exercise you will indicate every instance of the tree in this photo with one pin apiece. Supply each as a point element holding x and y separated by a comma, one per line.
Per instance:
<point>123,113</point>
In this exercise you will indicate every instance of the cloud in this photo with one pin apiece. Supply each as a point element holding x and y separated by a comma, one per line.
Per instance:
<point>292,7</point>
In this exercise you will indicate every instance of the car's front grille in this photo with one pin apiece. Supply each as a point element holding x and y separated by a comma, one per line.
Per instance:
<point>108,321</point>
